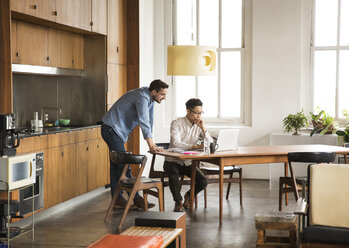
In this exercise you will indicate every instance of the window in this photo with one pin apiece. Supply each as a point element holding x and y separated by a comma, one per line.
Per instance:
<point>223,24</point>
<point>330,53</point>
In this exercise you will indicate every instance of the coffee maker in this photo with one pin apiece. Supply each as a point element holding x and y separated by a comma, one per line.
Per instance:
<point>9,135</point>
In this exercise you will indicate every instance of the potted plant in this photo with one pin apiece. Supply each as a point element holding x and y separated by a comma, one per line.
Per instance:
<point>323,123</point>
<point>345,132</point>
<point>295,122</point>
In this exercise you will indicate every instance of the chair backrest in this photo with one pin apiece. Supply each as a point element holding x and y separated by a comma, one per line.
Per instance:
<point>152,172</point>
<point>127,158</point>
<point>328,195</point>
<point>311,157</point>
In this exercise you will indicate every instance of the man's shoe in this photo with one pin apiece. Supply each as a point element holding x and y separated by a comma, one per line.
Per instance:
<point>139,203</point>
<point>186,203</point>
<point>121,202</point>
<point>178,207</point>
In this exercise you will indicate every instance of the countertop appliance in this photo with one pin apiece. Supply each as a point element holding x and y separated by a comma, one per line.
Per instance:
<point>26,195</point>
<point>9,135</point>
<point>18,171</point>
<point>4,215</point>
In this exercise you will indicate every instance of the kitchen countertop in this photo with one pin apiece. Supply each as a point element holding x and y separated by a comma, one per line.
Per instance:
<point>25,132</point>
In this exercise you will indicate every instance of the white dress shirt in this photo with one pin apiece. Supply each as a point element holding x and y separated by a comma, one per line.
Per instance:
<point>184,135</point>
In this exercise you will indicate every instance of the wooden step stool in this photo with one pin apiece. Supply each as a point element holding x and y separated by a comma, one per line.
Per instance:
<point>164,219</point>
<point>276,220</point>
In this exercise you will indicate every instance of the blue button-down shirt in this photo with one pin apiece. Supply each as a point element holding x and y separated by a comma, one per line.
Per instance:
<point>133,108</point>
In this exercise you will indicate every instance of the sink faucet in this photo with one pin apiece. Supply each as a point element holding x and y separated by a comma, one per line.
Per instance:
<point>45,118</point>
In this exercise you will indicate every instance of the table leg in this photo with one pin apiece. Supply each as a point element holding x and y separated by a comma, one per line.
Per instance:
<point>345,158</point>
<point>194,164</point>
<point>286,175</point>
<point>221,175</point>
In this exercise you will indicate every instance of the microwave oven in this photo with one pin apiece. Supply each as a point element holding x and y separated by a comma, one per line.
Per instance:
<point>17,171</point>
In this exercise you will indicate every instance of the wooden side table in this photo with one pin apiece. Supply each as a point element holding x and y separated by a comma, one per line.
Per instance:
<point>276,220</point>
<point>164,219</point>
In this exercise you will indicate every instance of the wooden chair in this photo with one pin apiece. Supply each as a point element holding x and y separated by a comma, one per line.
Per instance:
<point>286,184</point>
<point>327,209</point>
<point>228,170</point>
<point>132,185</point>
<point>163,176</point>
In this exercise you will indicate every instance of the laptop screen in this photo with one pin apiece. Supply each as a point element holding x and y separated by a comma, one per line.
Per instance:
<point>228,139</point>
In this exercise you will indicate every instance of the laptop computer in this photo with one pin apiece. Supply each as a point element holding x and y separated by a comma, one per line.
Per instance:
<point>228,139</point>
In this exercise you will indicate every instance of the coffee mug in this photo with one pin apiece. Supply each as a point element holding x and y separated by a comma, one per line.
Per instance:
<point>213,147</point>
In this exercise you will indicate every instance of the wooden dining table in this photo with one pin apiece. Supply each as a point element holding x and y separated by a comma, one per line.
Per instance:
<point>249,155</point>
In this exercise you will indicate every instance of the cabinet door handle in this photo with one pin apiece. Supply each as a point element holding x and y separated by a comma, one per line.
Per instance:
<point>97,146</point>
<point>48,58</point>
<point>62,154</point>
<point>86,148</point>
<point>91,23</point>
<point>17,54</point>
<point>117,49</point>
<point>35,6</point>
<point>55,13</point>
<point>73,61</point>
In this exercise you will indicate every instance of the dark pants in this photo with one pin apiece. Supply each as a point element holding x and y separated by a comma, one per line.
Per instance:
<point>114,143</point>
<point>174,170</point>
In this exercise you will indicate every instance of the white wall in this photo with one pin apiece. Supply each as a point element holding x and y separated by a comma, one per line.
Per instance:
<point>280,63</point>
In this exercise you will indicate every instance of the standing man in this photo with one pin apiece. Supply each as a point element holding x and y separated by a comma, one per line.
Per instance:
<point>186,133</point>
<point>136,107</point>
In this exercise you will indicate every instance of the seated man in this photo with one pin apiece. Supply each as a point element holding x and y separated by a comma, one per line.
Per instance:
<point>186,133</point>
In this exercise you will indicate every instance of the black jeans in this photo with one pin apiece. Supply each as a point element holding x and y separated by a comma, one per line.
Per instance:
<point>114,143</point>
<point>174,170</point>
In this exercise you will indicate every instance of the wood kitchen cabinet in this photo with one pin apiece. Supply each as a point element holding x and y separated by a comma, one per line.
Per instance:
<point>25,43</point>
<point>117,35</point>
<point>99,16</point>
<point>82,14</point>
<point>72,50</point>
<point>98,165</point>
<point>117,82</point>
<point>64,12</point>
<point>82,151</point>
<point>68,172</point>
<point>38,8</point>
<point>54,48</point>
<point>60,180</point>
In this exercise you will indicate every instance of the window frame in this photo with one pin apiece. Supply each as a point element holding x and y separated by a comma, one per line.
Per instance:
<point>246,65</point>
<point>337,48</point>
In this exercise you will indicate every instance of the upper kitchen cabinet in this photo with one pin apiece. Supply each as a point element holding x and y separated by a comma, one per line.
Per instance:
<point>72,50</point>
<point>82,14</point>
<point>117,36</point>
<point>99,16</point>
<point>39,8</point>
<point>64,12</point>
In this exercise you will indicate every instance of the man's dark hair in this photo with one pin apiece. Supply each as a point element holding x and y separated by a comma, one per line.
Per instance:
<point>193,102</point>
<point>157,85</point>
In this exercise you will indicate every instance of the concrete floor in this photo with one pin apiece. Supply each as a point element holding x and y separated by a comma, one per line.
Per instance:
<point>82,224</point>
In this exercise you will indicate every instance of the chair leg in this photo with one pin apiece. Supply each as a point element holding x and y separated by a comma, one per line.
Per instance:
<point>145,197</point>
<point>205,196</point>
<point>163,190</point>
<point>111,205</point>
<point>128,205</point>
<point>280,194</point>
<point>229,184</point>
<point>160,198</point>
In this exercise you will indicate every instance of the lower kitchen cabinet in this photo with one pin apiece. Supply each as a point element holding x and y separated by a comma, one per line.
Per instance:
<point>98,165</point>
<point>54,181</point>
<point>68,172</point>
<point>82,151</point>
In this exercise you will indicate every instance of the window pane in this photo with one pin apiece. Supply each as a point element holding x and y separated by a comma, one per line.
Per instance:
<point>343,82</point>
<point>230,84</point>
<point>208,22</point>
<point>185,89</point>
<point>231,23</point>
<point>186,22</point>
<point>208,93</point>
<point>344,33</point>
<point>325,80</point>
<point>326,22</point>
